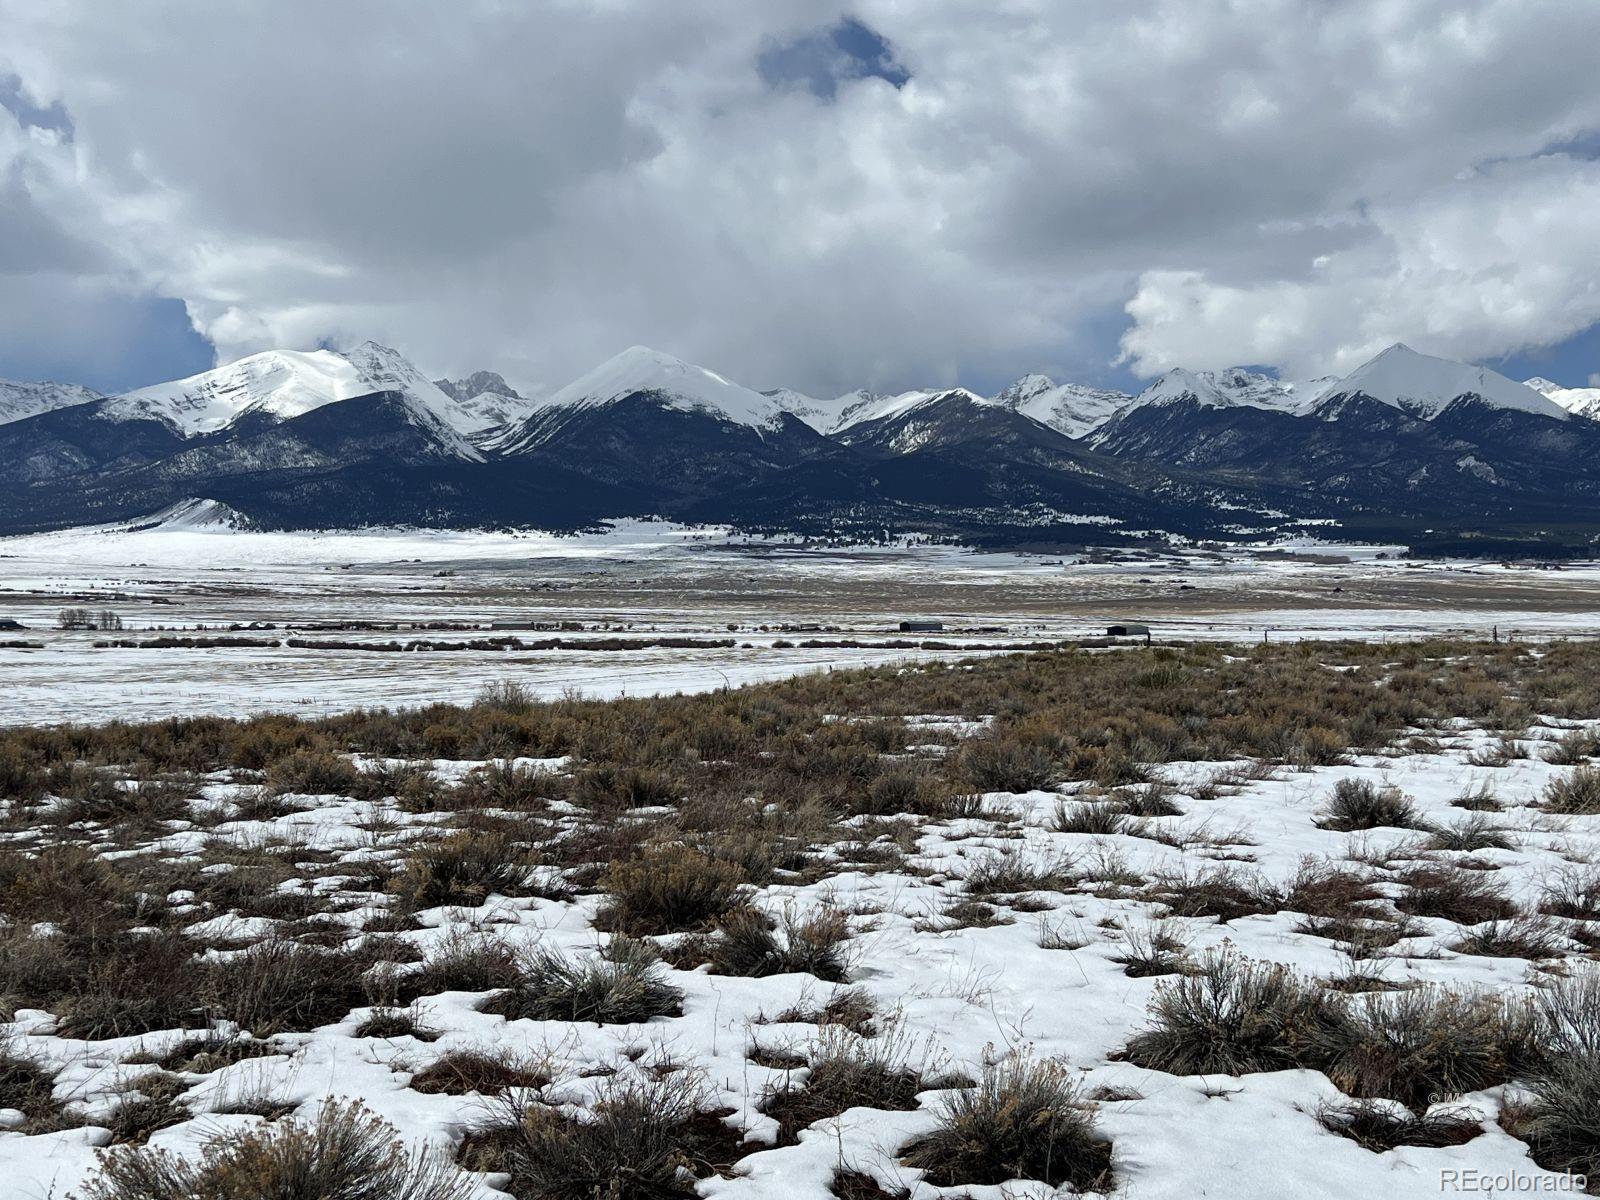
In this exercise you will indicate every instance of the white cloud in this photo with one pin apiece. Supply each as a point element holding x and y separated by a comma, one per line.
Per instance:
<point>1503,259</point>
<point>531,187</point>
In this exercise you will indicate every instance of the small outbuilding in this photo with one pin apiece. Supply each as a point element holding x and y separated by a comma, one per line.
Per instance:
<point>921,626</point>
<point>1128,629</point>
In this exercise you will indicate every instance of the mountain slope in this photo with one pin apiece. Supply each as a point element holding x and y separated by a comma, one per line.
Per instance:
<point>1421,385</point>
<point>19,400</point>
<point>666,450</point>
<point>1405,435</point>
<point>55,448</point>
<point>1234,388</point>
<point>1580,402</point>
<point>285,384</point>
<point>360,461</point>
<point>667,427</point>
<point>667,382</point>
<point>1070,408</point>
<point>821,415</point>
<point>488,400</point>
<point>913,420</point>
<point>1405,444</point>
<point>282,383</point>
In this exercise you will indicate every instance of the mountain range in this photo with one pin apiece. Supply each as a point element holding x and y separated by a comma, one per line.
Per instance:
<point>1407,446</point>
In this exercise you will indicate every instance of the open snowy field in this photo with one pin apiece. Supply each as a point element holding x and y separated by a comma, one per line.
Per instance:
<point>1208,921</point>
<point>643,581</point>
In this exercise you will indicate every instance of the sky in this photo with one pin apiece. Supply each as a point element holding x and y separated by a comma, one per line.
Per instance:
<point>800,194</point>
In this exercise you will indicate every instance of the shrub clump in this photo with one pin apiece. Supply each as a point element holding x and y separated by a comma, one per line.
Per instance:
<point>462,962</point>
<point>846,1071</point>
<point>279,984</point>
<point>1362,804</point>
<point>1087,817</point>
<point>1453,894</point>
<point>346,1153</point>
<point>1476,832</point>
<point>488,1072</point>
<point>28,1087</point>
<point>644,1139</point>
<point>668,889</point>
<point>1154,950</point>
<point>1233,1016</point>
<point>312,773</point>
<point>503,785</point>
<point>999,764</point>
<point>463,868</point>
<point>1004,873</point>
<point>747,944</point>
<point>1221,891</point>
<point>1574,892</point>
<point>1024,1120</point>
<point>1420,1045</point>
<point>1380,1127</point>
<point>628,987</point>
<point>1562,1122</point>
<point>1577,793</point>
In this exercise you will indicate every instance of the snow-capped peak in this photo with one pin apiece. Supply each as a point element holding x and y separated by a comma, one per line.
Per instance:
<point>1232,388</point>
<point>382,364</point>
<point>1180,384</point>
<point>485,401</point>
<point>290,383</point>
<point>676,383</point>
<point>1422,385</point>
<point>1074,409</point>
<point>1024,389</point>
<point>479,383</point>
<point>859,396</point>
<point>821,415</point>
<point>386,369</point>
<point>19,400</point>
<point>1582,402</point>
<point>879,408</point>
<point>283,383</point>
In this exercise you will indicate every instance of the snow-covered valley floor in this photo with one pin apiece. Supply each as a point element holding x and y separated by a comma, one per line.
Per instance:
<point>951,892</point>
<point>259,592</point>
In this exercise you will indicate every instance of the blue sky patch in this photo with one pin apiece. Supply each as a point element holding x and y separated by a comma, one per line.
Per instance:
<point>823,59</point>
<point>30,115</point>
<point>1570,363</point>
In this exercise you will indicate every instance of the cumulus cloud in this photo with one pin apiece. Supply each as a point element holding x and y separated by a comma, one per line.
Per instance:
<point>1501,260</point>
<point>799,194</point>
